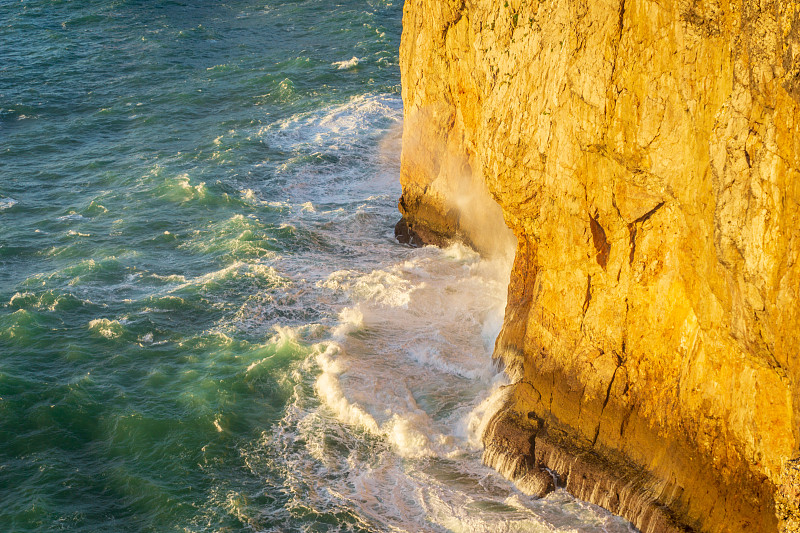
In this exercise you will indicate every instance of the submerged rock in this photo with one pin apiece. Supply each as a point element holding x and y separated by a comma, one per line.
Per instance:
<point>646,158</point>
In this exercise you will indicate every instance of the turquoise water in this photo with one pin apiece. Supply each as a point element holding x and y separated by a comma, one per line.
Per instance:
<point>205,321</point>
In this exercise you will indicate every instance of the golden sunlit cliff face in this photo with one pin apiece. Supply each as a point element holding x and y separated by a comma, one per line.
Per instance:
<point>645,155</point>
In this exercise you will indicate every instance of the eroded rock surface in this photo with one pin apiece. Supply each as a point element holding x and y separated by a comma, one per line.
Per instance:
<point>645,155</point>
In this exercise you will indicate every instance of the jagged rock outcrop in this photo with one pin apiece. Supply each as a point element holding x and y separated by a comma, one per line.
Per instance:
<point>645,155</point>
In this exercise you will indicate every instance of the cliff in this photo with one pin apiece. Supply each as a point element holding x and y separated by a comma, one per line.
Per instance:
<point>645,155</point>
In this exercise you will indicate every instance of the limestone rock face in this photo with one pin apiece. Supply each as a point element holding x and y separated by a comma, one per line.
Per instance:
<point>645,155</point>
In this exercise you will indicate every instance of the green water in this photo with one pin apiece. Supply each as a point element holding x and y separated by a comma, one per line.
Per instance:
<point>152,160</point>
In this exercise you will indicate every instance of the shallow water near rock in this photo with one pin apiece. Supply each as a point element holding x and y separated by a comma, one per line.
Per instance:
<point>205,321</point>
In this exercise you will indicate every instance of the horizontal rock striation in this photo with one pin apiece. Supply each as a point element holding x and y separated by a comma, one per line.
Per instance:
<point>645,156</point>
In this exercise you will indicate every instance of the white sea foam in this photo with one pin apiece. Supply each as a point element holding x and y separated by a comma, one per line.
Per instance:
<point>472,426</point>
<point>249,196</point>
<point>170,278</point>
<point>259,273</point>
<point>72,216</point>
<point>419,325</point>
<point>183,184</point>
<point>19,298</point>
<point>382,287</point>
<point>339,128</point>
<point>330,390</point>
<point>6,203</point>
<point>350,319</point>
<point>343,65</point>
<point>110,329</point>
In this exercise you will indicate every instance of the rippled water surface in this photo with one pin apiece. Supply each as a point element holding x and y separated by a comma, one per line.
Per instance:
<point>205,321</point>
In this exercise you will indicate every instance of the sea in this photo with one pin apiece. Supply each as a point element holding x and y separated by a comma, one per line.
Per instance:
<point>206,323</point>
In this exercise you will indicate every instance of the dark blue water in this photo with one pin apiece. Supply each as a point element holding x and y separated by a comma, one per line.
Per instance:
<point>205,321</point>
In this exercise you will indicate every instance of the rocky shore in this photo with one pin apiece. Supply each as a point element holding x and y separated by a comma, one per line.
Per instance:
<point>641,161</point>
